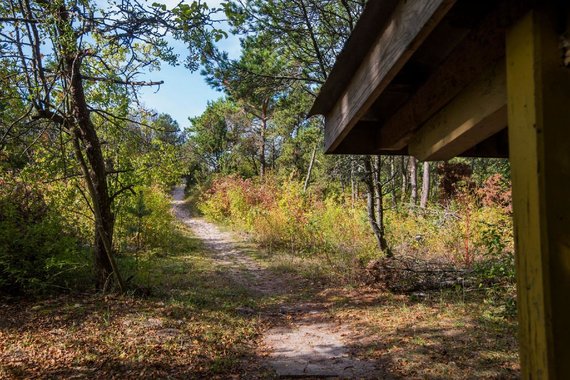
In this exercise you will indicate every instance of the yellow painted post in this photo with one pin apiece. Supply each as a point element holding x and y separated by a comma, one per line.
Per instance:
<point>538,93</point>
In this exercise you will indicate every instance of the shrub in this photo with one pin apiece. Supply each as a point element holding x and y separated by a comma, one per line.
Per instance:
<point>280,217</point>
<point>466,232</point>
<point>37,253</point>
<point>145,221</point>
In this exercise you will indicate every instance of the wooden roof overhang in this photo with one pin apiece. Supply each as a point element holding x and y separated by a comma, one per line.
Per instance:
<point>422,77</point>
<point>429,78</point>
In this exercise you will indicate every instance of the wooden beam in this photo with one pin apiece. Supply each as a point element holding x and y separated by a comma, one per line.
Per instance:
<point>411,23</point>
<point>496,146</point>
<point>538,88</point>
<point>357,141</point>
<point>371,23</point>
<point>484,46</point>
<point>476,114</point>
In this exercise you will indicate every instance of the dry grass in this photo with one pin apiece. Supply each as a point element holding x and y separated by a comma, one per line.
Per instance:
<point>440,336</point>
<point>448,334</point>
<point>190,327</point>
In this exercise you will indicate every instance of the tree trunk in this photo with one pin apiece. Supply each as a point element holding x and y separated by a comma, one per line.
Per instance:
<point>393,182</point>
<point>262,159</point>
<point>379,193</point>
<point>425,185</point>
<point>404,175</point>
<point>262,163</point>
<point>95,174</point>
<point>353,182</point>
<point>414,181</point>
<point>375,208</point>
<point>310,169</point>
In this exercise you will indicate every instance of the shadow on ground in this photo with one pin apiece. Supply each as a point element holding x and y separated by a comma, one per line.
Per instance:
<point>439,336</point>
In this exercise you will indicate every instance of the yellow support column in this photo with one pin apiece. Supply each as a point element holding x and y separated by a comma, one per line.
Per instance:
<point>538,92</point>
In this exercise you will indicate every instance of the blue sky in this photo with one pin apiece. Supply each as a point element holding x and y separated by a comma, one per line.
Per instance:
<point>184,94</point>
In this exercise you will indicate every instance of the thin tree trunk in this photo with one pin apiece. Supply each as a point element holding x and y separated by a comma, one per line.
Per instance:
<point>262,159</point>
<point>404,176</point>
<point>425,185</point>
<point>375,203</point>
<point>393,182</point>
<point>253,159</point>
<point>379,193</point>
<point>96,177</point>
<point>310,169</point>
<point>414,181</point>
<point>353,182</point>
<point>262,163</point>
<point>104,262</point>
<point>273,155</point>
<point>94,167</point>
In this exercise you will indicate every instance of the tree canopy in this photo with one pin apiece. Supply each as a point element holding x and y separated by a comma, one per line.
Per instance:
<point>74,70</point>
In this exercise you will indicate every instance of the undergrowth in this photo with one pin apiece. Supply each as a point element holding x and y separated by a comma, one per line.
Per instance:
<point>46,234</point>
<point>331,235</point>
<point>187,326</point>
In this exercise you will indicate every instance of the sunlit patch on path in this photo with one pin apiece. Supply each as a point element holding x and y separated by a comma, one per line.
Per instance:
<point>316,350</point>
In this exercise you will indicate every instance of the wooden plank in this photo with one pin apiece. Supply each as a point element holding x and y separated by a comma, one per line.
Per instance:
<point>411,22</point>
<point>483,47</point>
<point>372,22</point>
<point>476,114</point>
<point>538,89</point>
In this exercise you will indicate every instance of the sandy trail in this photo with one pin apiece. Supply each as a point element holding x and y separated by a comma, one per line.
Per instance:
<point>310,346</point>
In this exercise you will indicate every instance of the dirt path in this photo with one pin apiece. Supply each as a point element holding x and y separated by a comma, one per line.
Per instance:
<point>311,345</point>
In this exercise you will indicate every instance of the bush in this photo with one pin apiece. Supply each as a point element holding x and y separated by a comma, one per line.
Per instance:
<point>280,217</point>
<point>145,221</point>
<point>36,252</point>
<point>469,232</point>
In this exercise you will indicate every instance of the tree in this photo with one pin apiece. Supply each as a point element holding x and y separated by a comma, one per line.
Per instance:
<point>76,67</point>
<point>217,140</point>
<point>413,181</point>
<point>167,130</point>
<point>375,199</point>
<point>306,36</point>
<point>298,41</point>
<point>310,33</point>
<point>253,83</point>
<point>425,185</point>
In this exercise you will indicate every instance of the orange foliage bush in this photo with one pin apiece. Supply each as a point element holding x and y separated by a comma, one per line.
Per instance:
<point>280,216</point>
<point>472,225</point>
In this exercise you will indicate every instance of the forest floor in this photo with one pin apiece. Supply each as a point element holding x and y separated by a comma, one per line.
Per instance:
<point>221,308</point>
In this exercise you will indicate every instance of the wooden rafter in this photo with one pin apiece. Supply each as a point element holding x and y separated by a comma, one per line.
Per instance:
<point>412,21</point>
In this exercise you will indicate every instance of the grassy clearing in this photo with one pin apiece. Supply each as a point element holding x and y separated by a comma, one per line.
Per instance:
<point>189,327</point>
<point>199,323</point>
